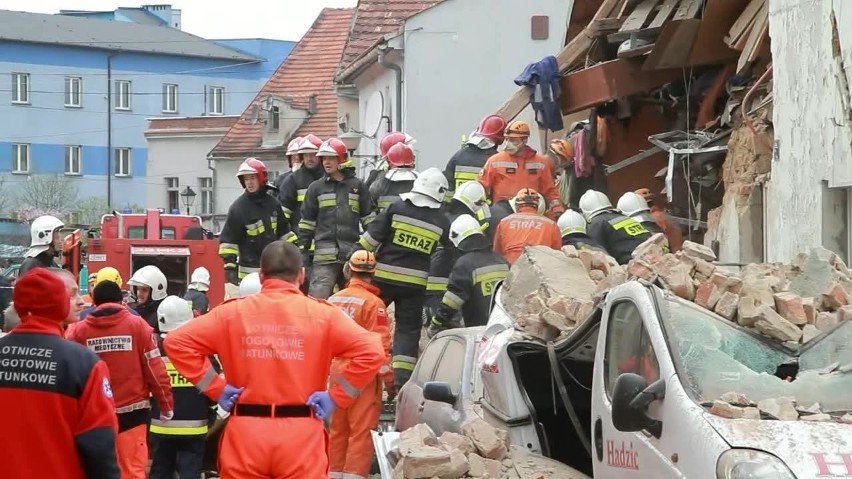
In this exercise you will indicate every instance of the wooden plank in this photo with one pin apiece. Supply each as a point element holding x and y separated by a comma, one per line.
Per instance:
<point>757,31</point>
<point>709,48</point>
<point>636,52</point>
<point>663,14</point>
<point>674,45</point>
<point>688,9</point>
<point>645,34</point>
<point>741,26</point>
<point>603,25</point>
<point>574,50</point>
<point>639,16</point>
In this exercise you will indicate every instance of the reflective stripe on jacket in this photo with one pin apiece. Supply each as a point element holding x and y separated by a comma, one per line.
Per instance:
<point>254,220</point>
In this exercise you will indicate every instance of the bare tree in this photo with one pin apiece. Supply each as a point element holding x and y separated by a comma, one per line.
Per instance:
<point>91,210</point>
<point>46,195</point>
<point>5,196</point>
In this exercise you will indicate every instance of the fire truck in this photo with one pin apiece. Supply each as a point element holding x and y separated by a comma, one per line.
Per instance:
<point>177,244</point>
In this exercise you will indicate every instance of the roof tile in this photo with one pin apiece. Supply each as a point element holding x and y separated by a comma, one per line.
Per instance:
<point>307,71</point>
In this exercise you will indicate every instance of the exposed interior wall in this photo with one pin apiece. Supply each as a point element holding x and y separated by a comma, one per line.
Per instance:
<point>835,220</point>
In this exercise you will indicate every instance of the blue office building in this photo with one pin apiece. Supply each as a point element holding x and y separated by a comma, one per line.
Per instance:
<point>79,88</point>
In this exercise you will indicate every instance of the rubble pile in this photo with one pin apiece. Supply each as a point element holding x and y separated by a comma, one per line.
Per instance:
<point>480,451</point>
<point>735,405</point>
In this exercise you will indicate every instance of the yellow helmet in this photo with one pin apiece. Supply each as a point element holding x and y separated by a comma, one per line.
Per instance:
<point>363,261</point>
<point>518,129</point>
<point>109,274</point>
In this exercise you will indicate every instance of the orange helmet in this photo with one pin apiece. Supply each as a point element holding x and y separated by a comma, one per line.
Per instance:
<point>645,193</point>
<point>518,129</point>
<point>562,148</point>
<point>391,139</point>
<point>362,261</point>
<point>527,197</point>
<point>492,127</point>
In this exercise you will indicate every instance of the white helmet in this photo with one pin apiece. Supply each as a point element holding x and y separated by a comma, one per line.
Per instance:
<point>542,206</point>
<point>151,277</point>
<point>293,147</point>
<point>429,189</point>
<point>200,279</point>
<point>571,222</point>
<point>250,284</point>
<point>594,202</point>
<point>173,312</point>
<point>463,227</point>
<point>630,203</point>
<point>472,195</point>
<point>41,234</point>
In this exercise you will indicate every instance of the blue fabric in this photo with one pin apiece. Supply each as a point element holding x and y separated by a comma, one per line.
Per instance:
<point>543,77</point>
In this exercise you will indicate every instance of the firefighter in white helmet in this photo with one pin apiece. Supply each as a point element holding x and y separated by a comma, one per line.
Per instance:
<point>196,294</point>
<point>45,244</point>
<point>617,233</point>
<point>634,206</point>
<point>572,226</point>
<point>250,284</point>
<point>254,220</point>
<point>149,287</point>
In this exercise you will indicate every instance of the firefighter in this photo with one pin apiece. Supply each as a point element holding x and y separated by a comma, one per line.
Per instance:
<point>333,209</point>
<point>350,442</point>
<point>150,287</point>
<point>196,294</point>
<point>276,348</point>
<point>472,279</point>
<point>127,344</point>
<point>250,284</point>
<point>519,166</point>
<point>670,227</point>
<point>408,232</point>
<point>617,233</point>
<point>572,225</point>
<point>466,163</point>
<point>397,180</point>
<point>385,145</point>
<point>294,161</point>
<point>177,446</point>
<point>254,220</point>
<point>60,420</point>
<point>526,227</point>
<point>45,244</point>
<point>634,206</point>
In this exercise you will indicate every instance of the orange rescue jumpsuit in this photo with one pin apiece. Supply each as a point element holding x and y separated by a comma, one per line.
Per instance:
<point>525,228</point>
<point>351,453</point>
<point>504,175</point>
<point>278,344</point>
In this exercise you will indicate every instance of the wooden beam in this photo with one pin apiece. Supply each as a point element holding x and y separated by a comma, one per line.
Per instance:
<point>606,24</point>
<point>688,9</point>
<point>761,24</point>
<point>575,49</point>
<point>639,17</point>
<point>666,10</point>
<point>674,45</point>
<point>746,19</point>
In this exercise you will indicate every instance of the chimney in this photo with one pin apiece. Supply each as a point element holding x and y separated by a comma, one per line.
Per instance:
<point>165,12</point>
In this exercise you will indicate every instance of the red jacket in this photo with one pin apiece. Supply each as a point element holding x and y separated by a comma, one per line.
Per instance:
<point>58,405</point>
<point>128,346</point>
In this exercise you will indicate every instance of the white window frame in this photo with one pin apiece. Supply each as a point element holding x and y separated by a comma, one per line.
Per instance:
<point>21,153</point>
<point>73,92</point>
<point>123,95</point>
<point>21,90</point>
<point>122,158</point>
<point>172,188</point>
<point>205,188</point>
<point>170,98</point>
<point>70,152</point>
<point>217,100</point>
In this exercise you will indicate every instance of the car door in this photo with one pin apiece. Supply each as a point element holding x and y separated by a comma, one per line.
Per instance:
<point>442,416</point>
<point>410,398</point>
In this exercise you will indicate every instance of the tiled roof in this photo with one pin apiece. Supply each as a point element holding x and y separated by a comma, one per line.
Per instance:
<point>307,71</point>
<point>373,20</point>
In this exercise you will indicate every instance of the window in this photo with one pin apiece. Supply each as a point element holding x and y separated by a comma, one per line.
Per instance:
<point>628,347</point>
<point>20,158</point>
<point>20,87</point>
<point>428,360</point>
<point>72,160</point>
<point>122,162</point>
<point>122,95</point>
<point>73,92</point>
<point>276,119</point>
<point>205,185</point>
<point>170,98</point>
<point>449,366</point>
<point>217,100</point>
<point>173,193</point>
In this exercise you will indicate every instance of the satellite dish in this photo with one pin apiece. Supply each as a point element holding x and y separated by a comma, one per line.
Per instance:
<point>374,110</point>
<point>255,114</point>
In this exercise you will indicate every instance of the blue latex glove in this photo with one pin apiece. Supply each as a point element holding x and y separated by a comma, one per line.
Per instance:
<point>229,397</point>
<point>322,403</point>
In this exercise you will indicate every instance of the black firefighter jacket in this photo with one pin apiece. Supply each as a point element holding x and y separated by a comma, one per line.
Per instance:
<point>384,191</point>
<point>254,220</point>
<point>617,233</point>
<point>466,164</point>
<point>443,258</point>
<point>331,214</point>
<point>291,192</point>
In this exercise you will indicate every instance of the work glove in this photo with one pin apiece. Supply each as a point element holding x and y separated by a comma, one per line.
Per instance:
<point>229,397</point>
<point>386,373</point>
<point>322,404</point>
<point>166,415</point>
<point>232,277</point>
<point>435,327</point>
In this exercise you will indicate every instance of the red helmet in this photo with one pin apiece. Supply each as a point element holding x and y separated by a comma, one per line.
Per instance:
<point>253,166</point>
<point>310,144</point>
<point>333,147</point>
<point>492,126</point>
<point>391,139</point>
<point>400,155</point>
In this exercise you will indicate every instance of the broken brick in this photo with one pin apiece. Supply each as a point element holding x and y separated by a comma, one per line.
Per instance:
<point>724,409</point>
<point>835,297</point>
<point>426,462</point>
<point>640,269</point>
<point>727,282</point>
<point>416,437</point>
<point>457,441</point>
<point>727,305</point>
<point>676,277</point>
<point>748,311</point>
<point>751,413</point>
<point>570,251</point>
<point>773,325</point>
<point>556,320</point>
<point>699,251</point>
<point>822,417</point>
<point>485,438</point>
<point>809,332</point>
<point>844,313</point>
<point>809,306</point>
<point>781,408</point>
<point>759,289</point>
<point>652,249</point>
<point>789,306</point>
<point>706,295</point>
<point>826,321</point>
<point>597,275</point>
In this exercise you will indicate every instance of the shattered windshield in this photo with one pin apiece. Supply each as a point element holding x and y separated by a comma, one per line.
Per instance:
<point>715,358</point>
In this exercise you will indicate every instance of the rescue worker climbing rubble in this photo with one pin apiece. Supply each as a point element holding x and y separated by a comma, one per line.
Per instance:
<point>350,441</point>
<point>45,244</point>
<point>634,206</point>
<point>466,163</point>
<point>397,180</point>
<point>333,209</point>
<point>670,227</point>
<point>617,233</point>
<point>472,279</point>
<point>405,235</point>
<point>128,346</point>
<point>254,220</point>
<point>572,226</point>
<point>276,348</point>
<point>526,227</point>
<point>519,166</point>
<point>150,287</point>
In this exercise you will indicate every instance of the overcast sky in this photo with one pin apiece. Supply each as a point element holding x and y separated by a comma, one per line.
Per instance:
<point>276,19</point>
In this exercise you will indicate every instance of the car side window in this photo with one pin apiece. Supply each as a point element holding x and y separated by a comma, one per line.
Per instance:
<point>428,360</point>
<point>451,365</point>
<point>628,346</point>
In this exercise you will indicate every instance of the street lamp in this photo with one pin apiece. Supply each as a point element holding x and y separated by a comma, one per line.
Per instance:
<point>188,198</point>
<point>351,139</point>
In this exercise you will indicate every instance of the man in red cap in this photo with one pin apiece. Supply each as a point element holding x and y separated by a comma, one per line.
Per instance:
<point>59,392</point>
